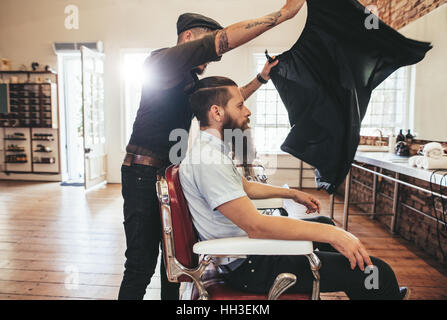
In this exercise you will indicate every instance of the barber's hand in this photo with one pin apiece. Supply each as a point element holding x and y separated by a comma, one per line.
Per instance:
<point>351,247</point>
<point>310,202</point>
<point>265,73</point>
<point>292,7</point>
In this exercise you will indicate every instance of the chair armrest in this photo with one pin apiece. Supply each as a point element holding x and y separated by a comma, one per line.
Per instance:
<point>243,246</point>
<point>275,203</point>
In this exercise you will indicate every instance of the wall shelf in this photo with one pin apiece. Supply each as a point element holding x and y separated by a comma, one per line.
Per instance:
<point>27,71</point>
<point>33,112</point>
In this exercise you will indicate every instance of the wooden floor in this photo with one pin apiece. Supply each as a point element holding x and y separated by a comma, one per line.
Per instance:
<point>62,243</point>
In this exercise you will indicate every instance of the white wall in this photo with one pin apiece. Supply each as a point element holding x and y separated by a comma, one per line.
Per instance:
<point>29,27</point>
<point>430,96</point>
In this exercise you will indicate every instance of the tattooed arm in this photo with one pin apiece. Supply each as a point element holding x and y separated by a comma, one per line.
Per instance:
<point>242,32</point>
<point>254,85</point>
<point>250,88</point>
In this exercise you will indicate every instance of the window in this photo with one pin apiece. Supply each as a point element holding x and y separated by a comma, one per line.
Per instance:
<point>389,107</point>
<point>270,121</point>
<point>132,75</point>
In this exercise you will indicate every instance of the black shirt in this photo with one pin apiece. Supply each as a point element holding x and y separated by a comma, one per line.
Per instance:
<point>164,103</point>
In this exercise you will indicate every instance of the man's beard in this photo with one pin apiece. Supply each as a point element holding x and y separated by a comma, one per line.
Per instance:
<point>231,124</point>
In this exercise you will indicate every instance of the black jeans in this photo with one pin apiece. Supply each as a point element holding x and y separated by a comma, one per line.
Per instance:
<point>258,273</point>
<point>143,234</point>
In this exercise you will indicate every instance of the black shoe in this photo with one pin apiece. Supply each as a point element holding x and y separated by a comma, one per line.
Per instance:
<point>404,293</point>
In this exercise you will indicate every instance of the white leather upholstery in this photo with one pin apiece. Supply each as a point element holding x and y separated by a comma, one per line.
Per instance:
<point>268,203</point>
<point>245,246</point>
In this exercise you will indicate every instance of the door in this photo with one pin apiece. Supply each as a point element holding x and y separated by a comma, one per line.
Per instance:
<point>95,157</point>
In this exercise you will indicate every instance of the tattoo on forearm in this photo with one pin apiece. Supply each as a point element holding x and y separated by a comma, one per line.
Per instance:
<point>271,20</point>
<point>224,46</point>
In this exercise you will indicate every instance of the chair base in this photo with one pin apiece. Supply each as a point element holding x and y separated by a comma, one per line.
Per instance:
<point>219,290</point>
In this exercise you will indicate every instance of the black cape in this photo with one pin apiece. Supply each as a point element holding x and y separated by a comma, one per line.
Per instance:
<point>325,82</point>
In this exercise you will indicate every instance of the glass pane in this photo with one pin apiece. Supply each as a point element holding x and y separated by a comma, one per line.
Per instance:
<point>388,105</point>
<point>283,119</point>
<point>260,108</point>
<point>271,96</point>
<point>271,118</point>
<point>260,119</point>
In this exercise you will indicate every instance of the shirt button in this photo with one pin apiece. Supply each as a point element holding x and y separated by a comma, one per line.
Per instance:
<point>249,261</point>
<point>245,286</point>
<point>252,270</point>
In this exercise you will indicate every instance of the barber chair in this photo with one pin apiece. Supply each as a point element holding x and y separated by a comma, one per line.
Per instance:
<point>190,261</point>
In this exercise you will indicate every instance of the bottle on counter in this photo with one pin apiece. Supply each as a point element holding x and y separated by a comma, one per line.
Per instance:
<point>409,137</point>
<point>391,142</point>
<point>400,136</point>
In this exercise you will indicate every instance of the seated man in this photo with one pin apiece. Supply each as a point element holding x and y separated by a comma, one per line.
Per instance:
<point>219,200</point>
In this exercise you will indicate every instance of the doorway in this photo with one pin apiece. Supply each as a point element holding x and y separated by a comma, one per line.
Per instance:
<point>72,137</point>
<point>83,133</point>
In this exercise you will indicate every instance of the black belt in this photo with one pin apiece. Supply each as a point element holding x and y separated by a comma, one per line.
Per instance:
<point>130,159</point>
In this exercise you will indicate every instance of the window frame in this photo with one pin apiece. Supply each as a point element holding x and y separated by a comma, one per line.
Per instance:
<point>251,103</point>
<point>408,109</point>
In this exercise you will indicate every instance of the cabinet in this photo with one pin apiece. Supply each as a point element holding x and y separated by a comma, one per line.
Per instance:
<point>31,150</point>
<point>17,150</point>
<point>30,105</point>
<point>45,150</point>
<point>29,124</point>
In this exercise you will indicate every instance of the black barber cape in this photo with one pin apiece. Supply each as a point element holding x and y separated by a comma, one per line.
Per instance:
<point>325,82</point>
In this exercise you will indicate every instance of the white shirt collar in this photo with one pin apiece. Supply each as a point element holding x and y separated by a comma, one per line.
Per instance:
<point>215,141</point>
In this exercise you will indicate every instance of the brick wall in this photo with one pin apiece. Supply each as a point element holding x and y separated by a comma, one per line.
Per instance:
<point>399,13</point>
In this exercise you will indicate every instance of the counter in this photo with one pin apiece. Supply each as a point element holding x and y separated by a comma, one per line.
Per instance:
<point>386,188</point>
<point>397,164</point>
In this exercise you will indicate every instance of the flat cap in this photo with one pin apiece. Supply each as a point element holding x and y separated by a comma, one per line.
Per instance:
<point>188,21</point>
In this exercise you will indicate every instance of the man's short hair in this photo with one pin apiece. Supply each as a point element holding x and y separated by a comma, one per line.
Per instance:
<point>207,92</point>
<point>197,32</point>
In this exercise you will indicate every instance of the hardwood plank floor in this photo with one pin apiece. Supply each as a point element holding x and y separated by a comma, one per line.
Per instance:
<point>50,235</point>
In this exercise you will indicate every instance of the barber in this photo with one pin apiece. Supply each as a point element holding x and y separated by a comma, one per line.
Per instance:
<point>164,107</point>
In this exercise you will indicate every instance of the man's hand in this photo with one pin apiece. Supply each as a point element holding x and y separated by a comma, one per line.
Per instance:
<point>292,7</point>
<point>311,203</point>
<point>254,85</point>
<point>240,33</point>
<point>265,73</point>
<point>351,247</point>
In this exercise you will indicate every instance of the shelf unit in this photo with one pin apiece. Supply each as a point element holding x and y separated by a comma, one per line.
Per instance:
<point>31,105</point>
<point>24,143</point>
<point>31,125</point>
<point>41,159</point>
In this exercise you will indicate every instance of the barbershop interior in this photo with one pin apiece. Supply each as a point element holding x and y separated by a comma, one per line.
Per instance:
<point>347,109</point>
